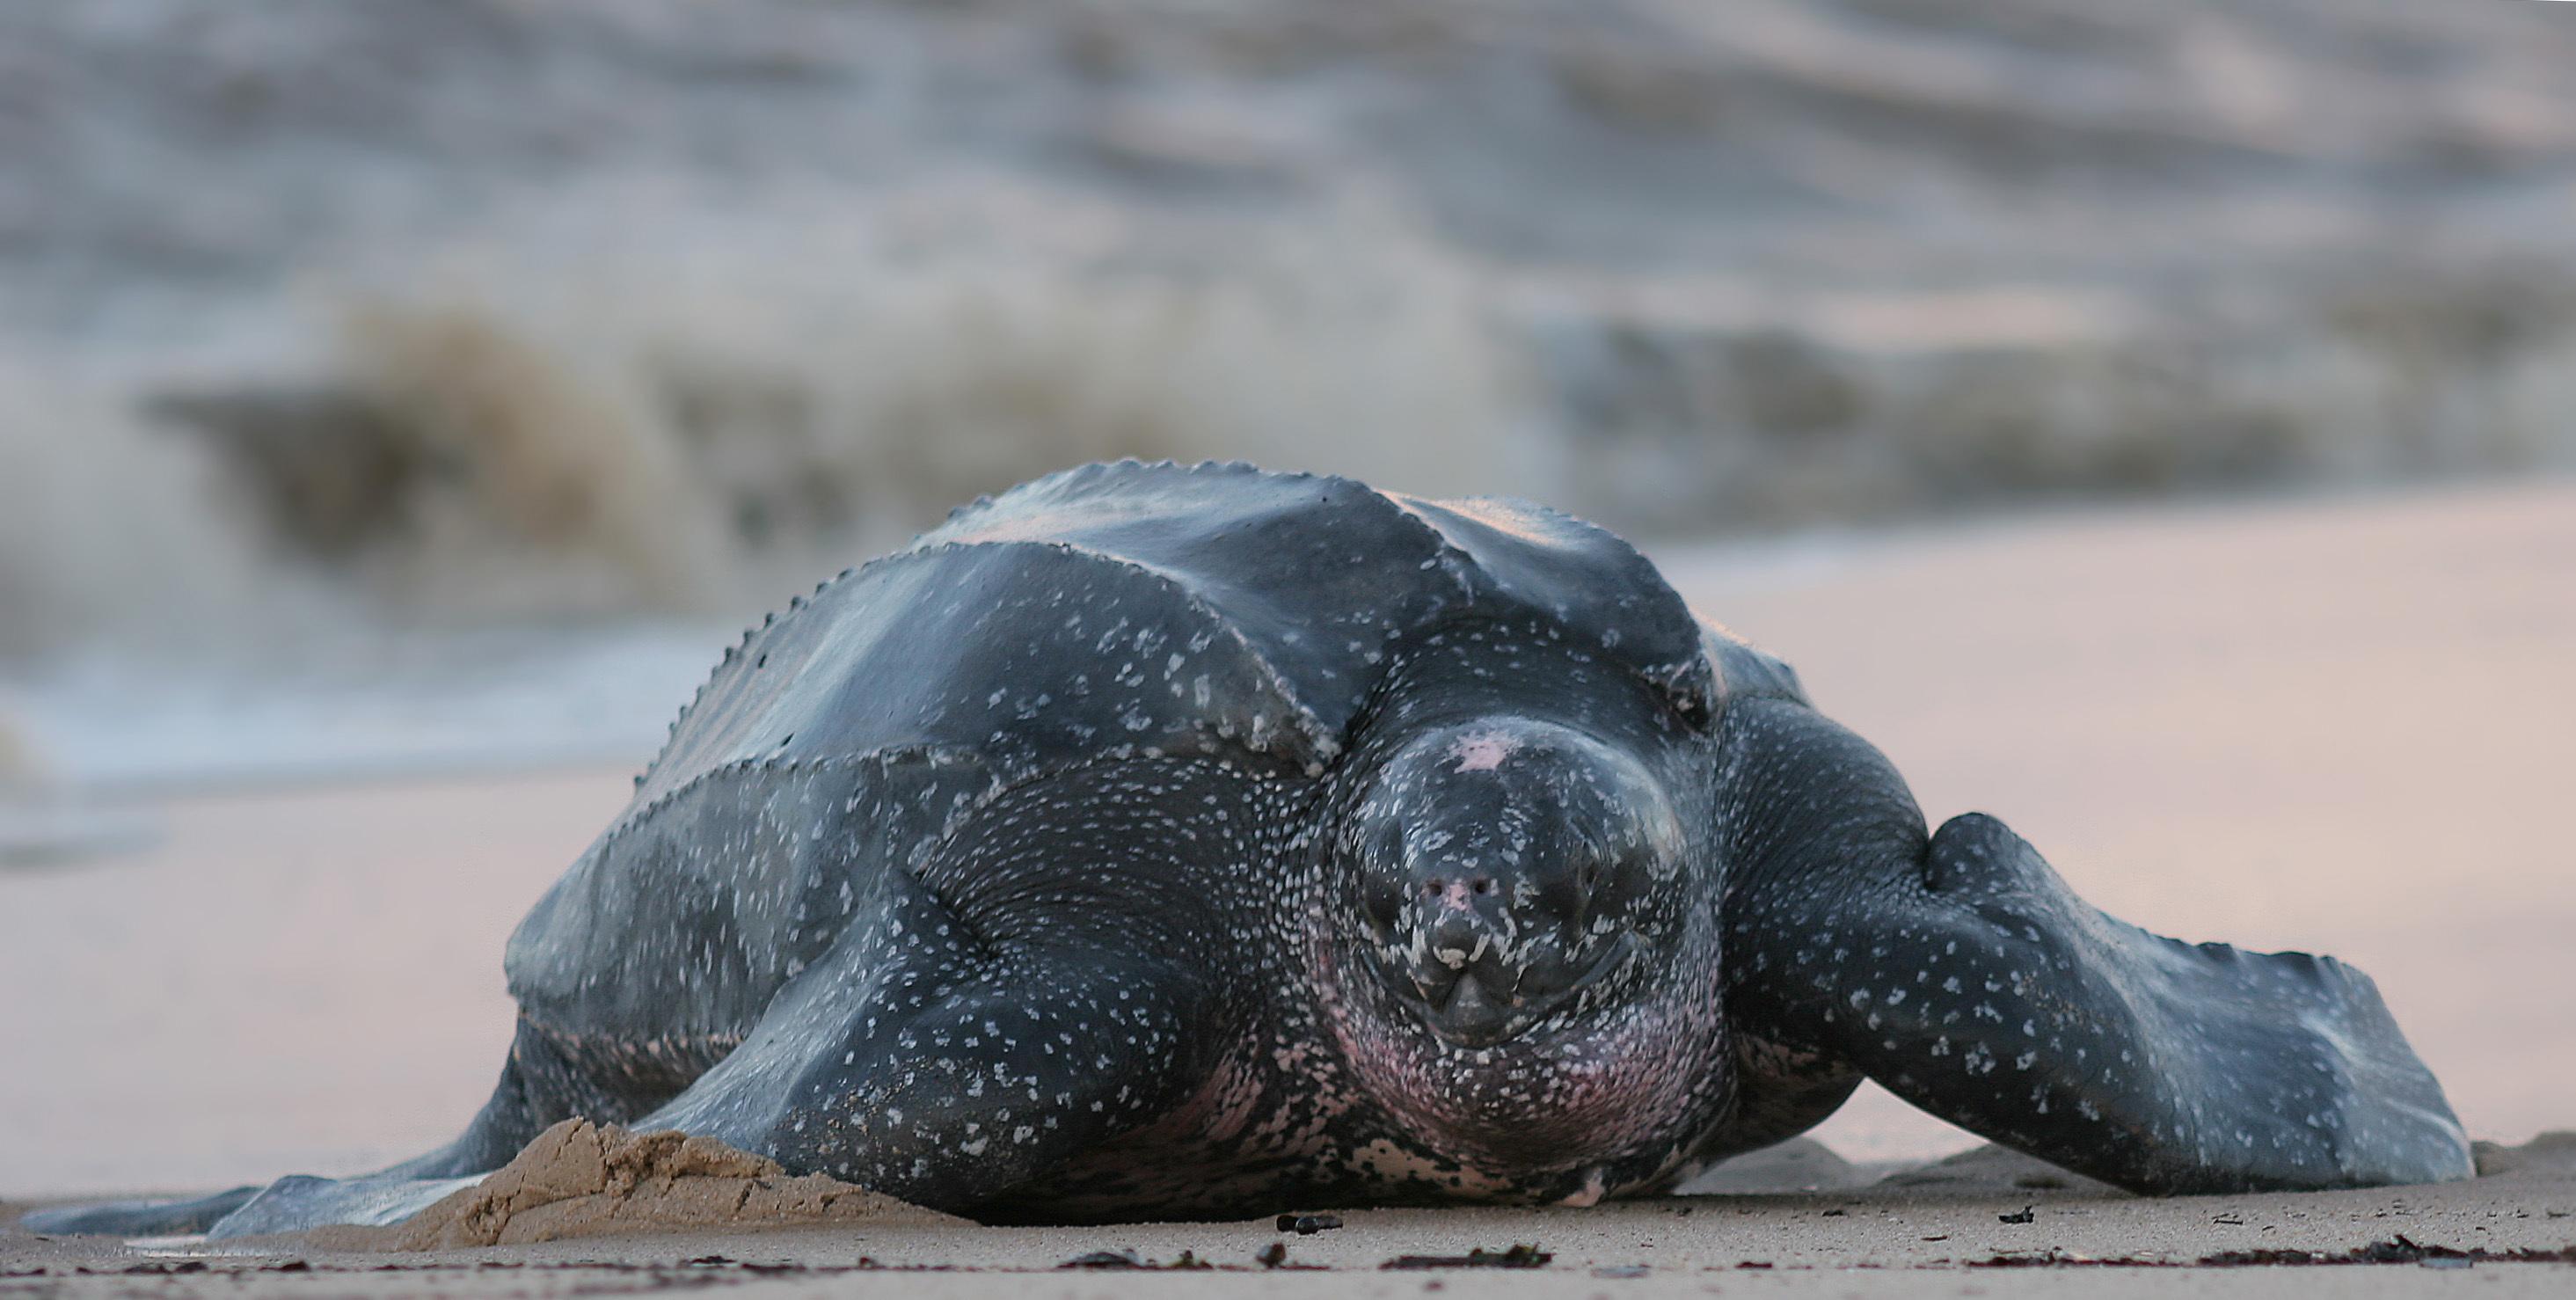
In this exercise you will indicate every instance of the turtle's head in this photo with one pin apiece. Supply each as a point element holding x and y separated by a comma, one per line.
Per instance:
<point>1503,867</point>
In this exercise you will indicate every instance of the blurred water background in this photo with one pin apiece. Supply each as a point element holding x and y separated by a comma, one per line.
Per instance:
<point>349,354</point>
<point>424,390</point>
<point>361,348</point>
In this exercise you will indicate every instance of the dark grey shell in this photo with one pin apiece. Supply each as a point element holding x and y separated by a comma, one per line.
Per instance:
<point>1213,610</point>
<point>1131,609</point>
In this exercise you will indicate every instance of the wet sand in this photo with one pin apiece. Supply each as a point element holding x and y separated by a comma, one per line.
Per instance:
<point>2339,726</point>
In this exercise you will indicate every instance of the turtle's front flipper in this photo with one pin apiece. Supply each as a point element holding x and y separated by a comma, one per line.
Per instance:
<point>999,1073</point>
<point>1045,983</point>
<point>1959,971</point>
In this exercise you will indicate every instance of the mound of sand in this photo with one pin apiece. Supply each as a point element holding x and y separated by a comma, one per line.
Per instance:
<point>580,1179</point>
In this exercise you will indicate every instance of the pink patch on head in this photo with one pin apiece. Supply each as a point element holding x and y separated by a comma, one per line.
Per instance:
<point>1482,751</point>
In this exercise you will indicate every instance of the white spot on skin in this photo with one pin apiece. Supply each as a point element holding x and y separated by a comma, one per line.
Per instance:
<point>1481,751</point>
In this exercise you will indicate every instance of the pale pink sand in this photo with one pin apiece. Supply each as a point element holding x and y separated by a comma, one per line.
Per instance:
<point>304,980</point>
<point>2345,727</point>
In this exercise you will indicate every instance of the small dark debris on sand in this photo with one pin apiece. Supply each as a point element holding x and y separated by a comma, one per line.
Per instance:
<point>1104,1259</point>
<point>750,1266</point>
<point>1520,1256</point>
<point>2396,1250</point>
<point>1112,1260</point>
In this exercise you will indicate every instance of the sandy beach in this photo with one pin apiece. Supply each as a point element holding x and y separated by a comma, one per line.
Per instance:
<point>2332,725</point>
<point>1978,1234</point>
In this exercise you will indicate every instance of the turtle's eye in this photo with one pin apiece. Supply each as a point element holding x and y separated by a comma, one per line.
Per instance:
<point>1588,876</point>
<point>1383,906</point>
<point>1378,854</point>
<point>1597,882</point>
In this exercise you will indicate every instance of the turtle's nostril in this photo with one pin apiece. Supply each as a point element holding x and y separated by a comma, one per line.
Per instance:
<point>1482,884</point>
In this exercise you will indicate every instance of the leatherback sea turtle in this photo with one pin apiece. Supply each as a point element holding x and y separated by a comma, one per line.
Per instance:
<point>1156,840</point>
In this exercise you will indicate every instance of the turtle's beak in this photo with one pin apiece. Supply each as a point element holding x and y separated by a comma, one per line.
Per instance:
<point>1475,1017</point>
<point>1472,987</point>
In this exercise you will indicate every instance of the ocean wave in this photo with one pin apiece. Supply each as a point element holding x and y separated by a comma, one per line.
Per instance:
<point>489,455</point>
<point>412,315</point>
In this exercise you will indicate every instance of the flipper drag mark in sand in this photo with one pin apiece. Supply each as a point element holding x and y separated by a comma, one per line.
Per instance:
<point>1160,841</point>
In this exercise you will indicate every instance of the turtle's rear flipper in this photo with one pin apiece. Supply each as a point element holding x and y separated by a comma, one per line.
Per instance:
<point>139,1218</point>
<point>291,1204</point>
<point>299,1202</point>
<point>1962,973</point>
